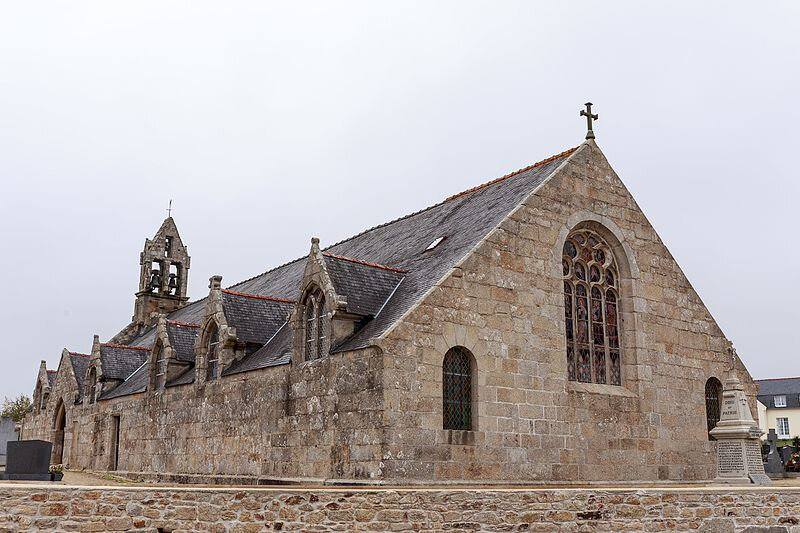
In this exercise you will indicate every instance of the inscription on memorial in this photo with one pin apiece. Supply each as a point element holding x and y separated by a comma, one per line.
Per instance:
<point>731,458</point>
<point>729,407</point>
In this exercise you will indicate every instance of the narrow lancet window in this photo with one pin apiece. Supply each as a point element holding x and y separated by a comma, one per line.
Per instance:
<point>457,389</point>
<point>315,326</point>
<point>590,307</point>
<point>212,352</point>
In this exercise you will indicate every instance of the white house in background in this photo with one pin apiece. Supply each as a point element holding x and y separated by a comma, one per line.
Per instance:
<point>779,406</point>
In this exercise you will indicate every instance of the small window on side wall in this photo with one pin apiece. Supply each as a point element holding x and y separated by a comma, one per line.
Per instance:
<point>457,371</point>
<point>212,352</point>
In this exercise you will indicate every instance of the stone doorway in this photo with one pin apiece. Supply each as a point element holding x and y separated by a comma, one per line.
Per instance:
<point>59,427</point>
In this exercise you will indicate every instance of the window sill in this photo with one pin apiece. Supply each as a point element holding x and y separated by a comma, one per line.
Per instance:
<point>595,388</point>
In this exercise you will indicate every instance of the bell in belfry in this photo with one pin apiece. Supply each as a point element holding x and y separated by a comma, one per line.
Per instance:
<point>155,280</point>
<point>172,284</point>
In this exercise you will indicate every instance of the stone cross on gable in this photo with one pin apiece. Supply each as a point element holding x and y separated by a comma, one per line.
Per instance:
<point>589,117</point>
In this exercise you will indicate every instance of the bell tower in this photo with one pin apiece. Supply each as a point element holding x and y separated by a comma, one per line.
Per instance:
<point>163,275</point>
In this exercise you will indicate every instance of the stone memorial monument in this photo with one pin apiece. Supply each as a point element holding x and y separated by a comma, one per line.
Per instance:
<point>738,436</point>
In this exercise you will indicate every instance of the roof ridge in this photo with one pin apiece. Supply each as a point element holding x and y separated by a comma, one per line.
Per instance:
<point>179,323</point>
<point>78,353</point>
<point>367,263</point>
<point>511,174</point>
<point>112,345</point>
<point>259,296</point>
<point>774,379</point>
<point>51,371</point>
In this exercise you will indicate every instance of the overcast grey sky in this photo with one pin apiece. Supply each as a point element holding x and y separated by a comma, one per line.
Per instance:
<point>268,123</point>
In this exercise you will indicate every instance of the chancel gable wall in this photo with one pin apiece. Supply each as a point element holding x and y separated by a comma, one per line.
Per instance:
<point>505,303</point>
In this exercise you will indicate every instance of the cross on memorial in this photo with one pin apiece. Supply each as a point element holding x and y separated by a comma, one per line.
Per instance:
<point>589,117</point>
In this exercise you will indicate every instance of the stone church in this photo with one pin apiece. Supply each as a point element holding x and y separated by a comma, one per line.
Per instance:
<point>530,329</point>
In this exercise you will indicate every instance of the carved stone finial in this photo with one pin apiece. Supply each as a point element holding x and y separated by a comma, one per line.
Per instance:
<point>215,282</point>
<point>315,241</point>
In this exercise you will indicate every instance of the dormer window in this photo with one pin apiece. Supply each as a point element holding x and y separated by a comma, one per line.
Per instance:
<point>315,324</point>
<point>780,401</point>
<point>212,352</point>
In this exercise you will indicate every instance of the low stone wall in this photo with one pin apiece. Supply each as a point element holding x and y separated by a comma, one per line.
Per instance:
<point>63,508</point>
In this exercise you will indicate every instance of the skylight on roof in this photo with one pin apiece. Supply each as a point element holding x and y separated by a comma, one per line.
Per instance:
<point>436,242</point>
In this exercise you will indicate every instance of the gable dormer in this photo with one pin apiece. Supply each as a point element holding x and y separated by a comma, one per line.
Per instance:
<point>41,394</point>
<point>172,354</point>
<point>338,295</point>
<point>109,365</point>
<point>163,274</point>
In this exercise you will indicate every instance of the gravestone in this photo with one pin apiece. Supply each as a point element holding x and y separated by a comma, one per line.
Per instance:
<point>774,465</point>
<point>738,437</point>
<point>28,460</point>
<point>7,433</point>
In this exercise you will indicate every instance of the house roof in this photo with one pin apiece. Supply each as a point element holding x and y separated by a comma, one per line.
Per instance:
<point>769,388</point>
<point>366,285</point>
<point>136,382</point>
<point>51,376</point>
<point>80,362</point>
<point>181,337</point>
<point>277,351</point>
<point>255,317</point>
<point>119,361</point>
<point>382,271</point>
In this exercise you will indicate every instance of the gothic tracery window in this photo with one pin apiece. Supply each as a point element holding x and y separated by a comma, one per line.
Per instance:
<point>591,289</point>
<point>315,326</point>
<point>212,352</point>
<point>457,389</point>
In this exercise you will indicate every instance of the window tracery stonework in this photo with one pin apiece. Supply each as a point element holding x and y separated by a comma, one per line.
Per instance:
<point>315,325</point>
<point>591,300</point>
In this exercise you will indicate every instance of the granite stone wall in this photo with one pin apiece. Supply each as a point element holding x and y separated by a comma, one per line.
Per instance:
<point>505,303</point>
<point>316,420</point>
<point>57,509</point>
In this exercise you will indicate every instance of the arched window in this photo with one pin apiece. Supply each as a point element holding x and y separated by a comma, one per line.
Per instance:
<point>713,398</point>
<point>457,388</point>
<point>212,351</point>
<point>160,367</point>
<point>591,285</point>
<point>91,385</point>
<point>315,324</point>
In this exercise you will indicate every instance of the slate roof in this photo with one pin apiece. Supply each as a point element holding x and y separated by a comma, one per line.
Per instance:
<point>366,286</point>
<point>51,377</point>
<point>80,363</point>
<point>137,382</point>
<point>120,361</point>
<point>379,292</point>
<point>183,379</point>
<point>277,351</point>
<point>181,337</point>
<point>255,317</point>
<point>769,388</point>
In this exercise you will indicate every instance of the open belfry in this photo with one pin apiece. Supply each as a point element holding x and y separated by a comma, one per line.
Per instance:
<point>530,329</point>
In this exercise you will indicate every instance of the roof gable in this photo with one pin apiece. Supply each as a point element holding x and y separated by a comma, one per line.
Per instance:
<point>370,287</point>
